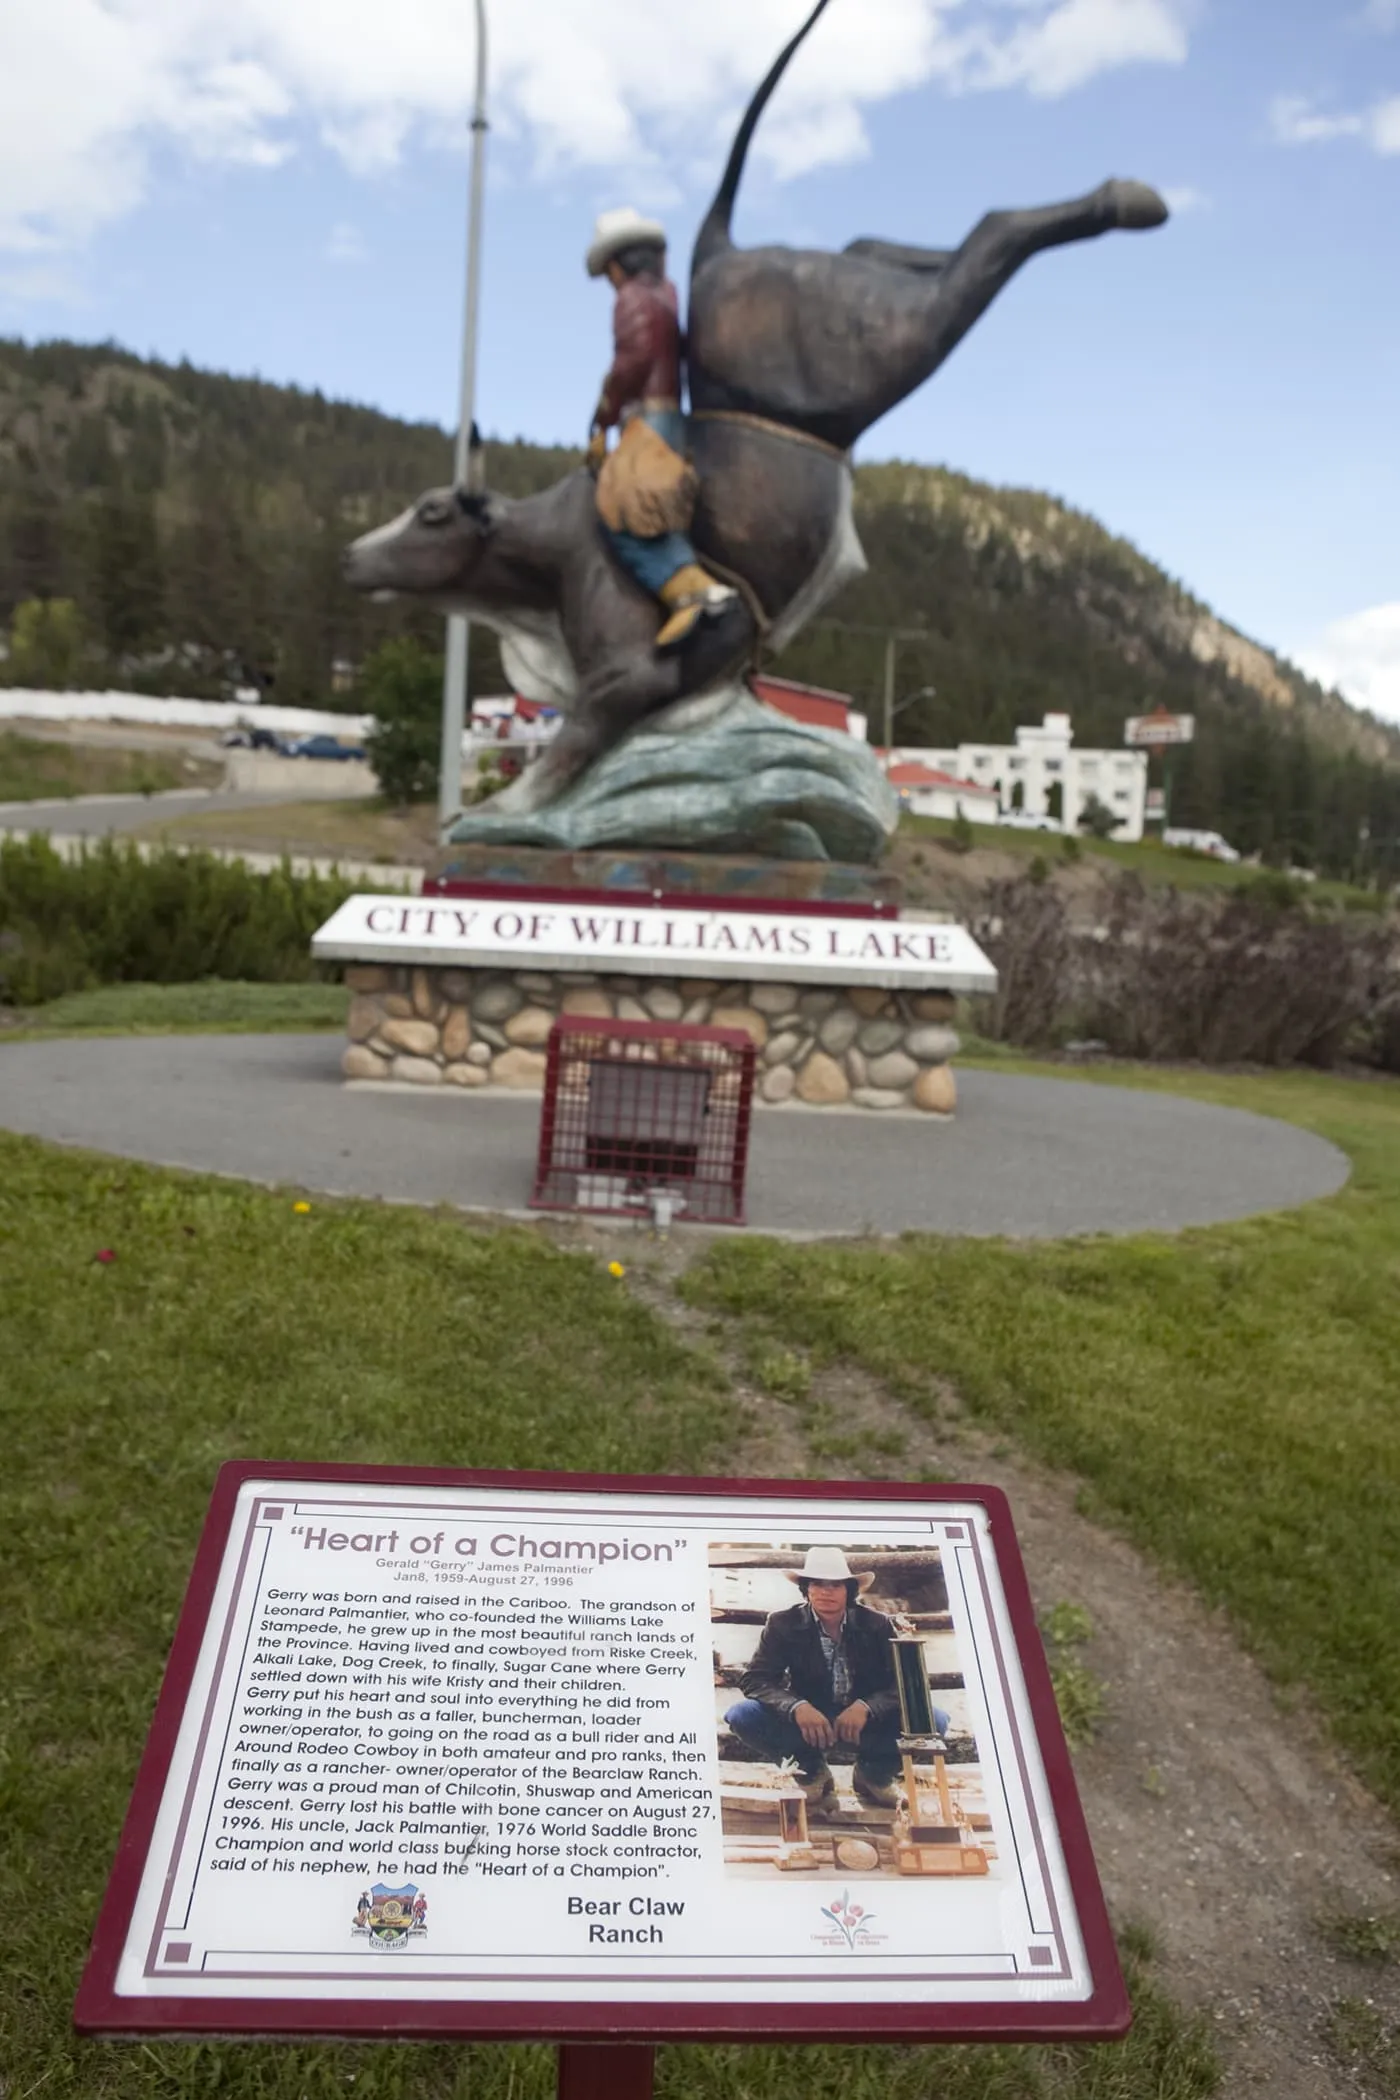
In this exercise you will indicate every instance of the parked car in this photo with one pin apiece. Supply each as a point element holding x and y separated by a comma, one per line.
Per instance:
<point>320,747</point>
<point>1026,820</point>
<point>245,739</point>
<point>1209,842</point>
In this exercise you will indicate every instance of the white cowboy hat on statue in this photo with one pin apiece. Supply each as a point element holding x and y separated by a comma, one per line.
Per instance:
<point>615,230</point>
<point>827,1564</point>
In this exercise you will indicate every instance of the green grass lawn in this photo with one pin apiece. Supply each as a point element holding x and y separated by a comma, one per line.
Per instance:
<point>215,1006</point>
<point>360,828</point>
<point>228,1325</point>
<point>33,769</point>
<point>1229,1397</point>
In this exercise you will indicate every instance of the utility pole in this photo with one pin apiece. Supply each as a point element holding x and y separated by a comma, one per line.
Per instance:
<point>892,636</point>
<point>889,698</point>
<point>454,681</point>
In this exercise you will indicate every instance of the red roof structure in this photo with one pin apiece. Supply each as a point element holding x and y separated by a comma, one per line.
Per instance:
<point>911,773</point>
<point>805,703</point>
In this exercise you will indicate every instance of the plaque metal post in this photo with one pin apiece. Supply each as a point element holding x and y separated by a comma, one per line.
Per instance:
<point>606,2071</point>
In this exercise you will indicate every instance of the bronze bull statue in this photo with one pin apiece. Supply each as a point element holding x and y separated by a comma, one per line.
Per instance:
<point>792,355</point>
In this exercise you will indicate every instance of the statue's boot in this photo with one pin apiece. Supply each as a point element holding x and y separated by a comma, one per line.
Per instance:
<point>689,596</point>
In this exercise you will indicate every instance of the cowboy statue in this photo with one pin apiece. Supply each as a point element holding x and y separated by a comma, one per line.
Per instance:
<point>646,485</point>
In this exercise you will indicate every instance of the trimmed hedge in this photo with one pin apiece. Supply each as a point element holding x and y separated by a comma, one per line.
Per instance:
<point>113,915</point>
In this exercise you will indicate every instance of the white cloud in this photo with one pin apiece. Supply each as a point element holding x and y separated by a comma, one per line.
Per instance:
<point>43,282</point>
<point>346,244</point>
<point>88,90</point>
<point>1180,198</point>
<point>1295,122</point>
<point>1385,126</point>
<point>1360,655</point>
<point>1079,38</point>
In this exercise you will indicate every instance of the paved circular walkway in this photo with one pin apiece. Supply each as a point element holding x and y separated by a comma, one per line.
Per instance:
<point>1033,1158</point>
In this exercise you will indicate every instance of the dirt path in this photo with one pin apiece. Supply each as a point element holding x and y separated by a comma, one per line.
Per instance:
<point>1220,1821</point>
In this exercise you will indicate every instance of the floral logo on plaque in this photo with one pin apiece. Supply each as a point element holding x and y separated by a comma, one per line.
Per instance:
<point>388,1918</point>
<point>852,1922</point>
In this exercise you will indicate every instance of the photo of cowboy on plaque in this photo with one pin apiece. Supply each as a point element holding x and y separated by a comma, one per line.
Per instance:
<point>841,1713</point>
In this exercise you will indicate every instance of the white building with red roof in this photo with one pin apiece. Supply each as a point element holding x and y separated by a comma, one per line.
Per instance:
<point>928,791</point>
<point>1042,779</point>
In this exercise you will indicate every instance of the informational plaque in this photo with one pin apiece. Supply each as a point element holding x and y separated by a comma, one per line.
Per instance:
<point>455,1754</point>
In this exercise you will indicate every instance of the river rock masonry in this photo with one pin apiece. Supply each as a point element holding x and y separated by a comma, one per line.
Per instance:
<point>824,1047</point>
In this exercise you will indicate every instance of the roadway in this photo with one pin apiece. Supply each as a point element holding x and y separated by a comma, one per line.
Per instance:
<point>94,816</point>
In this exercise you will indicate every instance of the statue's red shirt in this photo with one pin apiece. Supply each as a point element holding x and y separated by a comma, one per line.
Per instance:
<point>646,362</point>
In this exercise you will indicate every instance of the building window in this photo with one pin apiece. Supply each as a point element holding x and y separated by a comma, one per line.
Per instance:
<point>1054,765</point>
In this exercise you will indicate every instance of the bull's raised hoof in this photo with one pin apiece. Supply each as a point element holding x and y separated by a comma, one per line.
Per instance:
<point>1137,208</point>
<point>829,343</point>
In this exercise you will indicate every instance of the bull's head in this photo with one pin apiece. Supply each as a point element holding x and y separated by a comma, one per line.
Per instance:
<point>431,550</point>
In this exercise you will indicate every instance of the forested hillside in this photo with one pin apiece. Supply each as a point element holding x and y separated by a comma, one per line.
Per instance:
<point>196,522</point>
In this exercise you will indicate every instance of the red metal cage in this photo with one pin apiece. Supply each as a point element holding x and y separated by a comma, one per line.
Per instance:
<point>645,1117</point>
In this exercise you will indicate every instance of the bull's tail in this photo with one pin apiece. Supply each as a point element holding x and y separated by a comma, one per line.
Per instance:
<point>714,232</point>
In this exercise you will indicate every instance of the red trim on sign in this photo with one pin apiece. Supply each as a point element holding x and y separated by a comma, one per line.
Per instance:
<point>1104,2015</point>
<point>654,900</point>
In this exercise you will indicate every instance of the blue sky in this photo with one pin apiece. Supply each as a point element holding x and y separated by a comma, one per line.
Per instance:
<point>279,187</point>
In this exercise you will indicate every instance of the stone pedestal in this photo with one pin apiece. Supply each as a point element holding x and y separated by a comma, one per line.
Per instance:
<point>829,1047</point>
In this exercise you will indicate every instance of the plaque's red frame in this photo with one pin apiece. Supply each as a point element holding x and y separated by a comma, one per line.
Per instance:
<point>1103,2016</point>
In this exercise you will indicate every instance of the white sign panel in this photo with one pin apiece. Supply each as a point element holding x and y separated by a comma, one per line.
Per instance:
<point>465,1746</point>
<point>903,954</point>
<point>1150,730</point>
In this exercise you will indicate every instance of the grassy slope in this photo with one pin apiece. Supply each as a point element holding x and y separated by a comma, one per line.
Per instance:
<point>1158,866</point>
<point>229,1325</point>
<point>216,1005</point>
<point>361,829</point>
<point>1230,1397</point>
<point>33,770</point>
<point>366,830</point>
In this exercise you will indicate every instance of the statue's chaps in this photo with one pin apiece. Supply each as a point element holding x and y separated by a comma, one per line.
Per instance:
<point>792,355</point>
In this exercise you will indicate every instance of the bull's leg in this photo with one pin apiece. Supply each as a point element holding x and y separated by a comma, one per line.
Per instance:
<point>930,262</point>
<point>999,244</point>
<point>610,702</point>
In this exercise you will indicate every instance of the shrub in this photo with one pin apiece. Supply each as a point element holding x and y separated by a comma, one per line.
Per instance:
<point>961,837</point>
<point>110,916</point>
<point>47,643</point>
<point>401,686</point>
<point>1222,977</point>
<point>1097,819</point>
<point>1272,888</point>
<point>1026,932</point>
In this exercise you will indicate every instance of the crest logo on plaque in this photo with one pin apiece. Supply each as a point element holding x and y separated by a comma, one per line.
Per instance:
<point>852,1922</point>
<point>388,1918</point>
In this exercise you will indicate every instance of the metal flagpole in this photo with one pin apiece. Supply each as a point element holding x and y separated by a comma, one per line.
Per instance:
<point>454,682</point>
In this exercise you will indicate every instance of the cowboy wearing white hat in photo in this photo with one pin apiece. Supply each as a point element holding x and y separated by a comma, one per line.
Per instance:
<point>823,1674</point>
<point>646,485</point>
